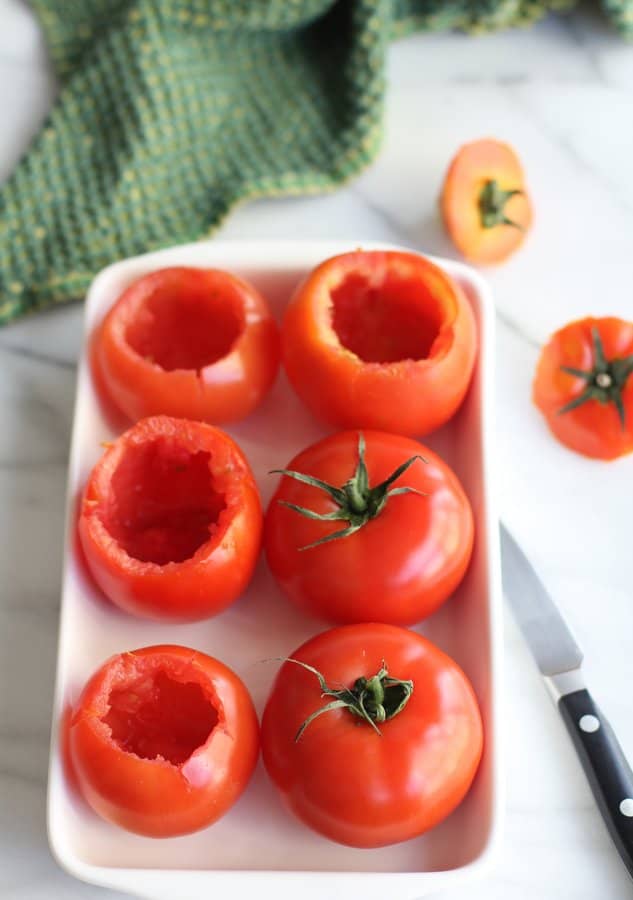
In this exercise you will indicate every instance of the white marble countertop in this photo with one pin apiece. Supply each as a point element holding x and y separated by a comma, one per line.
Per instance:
<point>562,94</point>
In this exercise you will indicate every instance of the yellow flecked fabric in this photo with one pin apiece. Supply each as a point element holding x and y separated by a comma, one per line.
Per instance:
<point>170,112</point>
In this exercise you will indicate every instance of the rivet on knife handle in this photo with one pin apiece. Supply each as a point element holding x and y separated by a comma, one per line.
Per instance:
<point>605,765</point>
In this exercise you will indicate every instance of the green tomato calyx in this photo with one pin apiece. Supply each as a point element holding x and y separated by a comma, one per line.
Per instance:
<point>492,202</point>
<point>604,382</point>
<point>372,700</point>
<point>357,503</point>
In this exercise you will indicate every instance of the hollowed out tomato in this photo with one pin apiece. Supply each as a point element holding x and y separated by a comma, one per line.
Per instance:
<point>163,740</point>
<point>380,339</point>
<point>171,520</point>
<point>196,343</point>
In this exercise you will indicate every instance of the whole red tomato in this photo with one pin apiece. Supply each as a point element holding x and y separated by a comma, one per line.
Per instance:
<point>368,526</point>
<point>583,386</point>
<point>163,740</point>
<point>171,520</point>
<point>196,343</point>
<point>372,734</point>
<point>380,339</point>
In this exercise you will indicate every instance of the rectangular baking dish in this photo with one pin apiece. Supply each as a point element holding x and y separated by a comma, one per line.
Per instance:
<point>258,849</point>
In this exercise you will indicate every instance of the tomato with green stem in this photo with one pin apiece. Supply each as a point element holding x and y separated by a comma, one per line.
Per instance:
<point>583,386</point>
<point>163,740</point>
<point>368,526</point>
<point>372,734</point>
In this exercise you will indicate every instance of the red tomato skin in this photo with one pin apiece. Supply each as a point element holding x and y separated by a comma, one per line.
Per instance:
<point>153,797</point>
<point>341,778</point>
<point>222,392</point>
<point>412,397</point>
<point>218,573</point>
<point>401,566</point>
<point>594,430</point>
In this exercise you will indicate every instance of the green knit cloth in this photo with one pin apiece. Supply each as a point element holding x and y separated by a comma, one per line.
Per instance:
<point>172,111</point>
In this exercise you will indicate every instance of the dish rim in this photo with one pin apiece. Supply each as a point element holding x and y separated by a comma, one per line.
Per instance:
<point>255,252</point>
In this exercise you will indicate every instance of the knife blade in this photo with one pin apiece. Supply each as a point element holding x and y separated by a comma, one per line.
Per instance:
<point>559,659</point>
<point>552,644</point>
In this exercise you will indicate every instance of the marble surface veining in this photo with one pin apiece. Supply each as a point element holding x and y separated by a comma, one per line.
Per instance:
<point>562,93</point>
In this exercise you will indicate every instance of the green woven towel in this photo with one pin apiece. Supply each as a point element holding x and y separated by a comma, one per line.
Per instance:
<point>171,111</point>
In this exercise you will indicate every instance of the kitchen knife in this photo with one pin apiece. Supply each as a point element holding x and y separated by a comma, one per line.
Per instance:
<point>559,658</point>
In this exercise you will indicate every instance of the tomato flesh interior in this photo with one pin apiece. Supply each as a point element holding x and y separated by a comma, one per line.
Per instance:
<point>388,319</point>
<point>162,505</point>
<point>186,329</point>
<point>156,715</point>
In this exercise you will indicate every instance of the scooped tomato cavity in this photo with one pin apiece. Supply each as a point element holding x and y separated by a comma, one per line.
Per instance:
<point>383,320</point>
<point>380,339</point>
<point>197,343</point>
<point>171,520</point>
<point>163,740</point>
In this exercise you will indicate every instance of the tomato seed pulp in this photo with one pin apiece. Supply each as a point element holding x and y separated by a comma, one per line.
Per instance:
<point>156,715</point>
<point>385,319</point>
<point>190,329</point>
<point>163,505</point>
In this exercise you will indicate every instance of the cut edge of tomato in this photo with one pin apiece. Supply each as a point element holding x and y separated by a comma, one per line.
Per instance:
<point>131,675</point>
<point>132,305</point>
<point>440,290</point>
<point>99,494</point>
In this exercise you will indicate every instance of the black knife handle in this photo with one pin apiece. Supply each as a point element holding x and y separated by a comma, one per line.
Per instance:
<point>605,766</point>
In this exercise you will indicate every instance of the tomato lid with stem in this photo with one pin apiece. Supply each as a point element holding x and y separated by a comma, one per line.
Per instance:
<point>492,202</point>
<point>605,380</point>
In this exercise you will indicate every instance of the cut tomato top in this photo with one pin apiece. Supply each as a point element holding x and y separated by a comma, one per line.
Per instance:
<point>171,520</point>
<point>380,339</point>
<point>584,386</point>
<point>485,204</point>
<point>197,343</point>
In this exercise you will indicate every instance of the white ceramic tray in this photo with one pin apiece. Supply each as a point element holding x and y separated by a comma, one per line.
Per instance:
<point>258,849</point>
